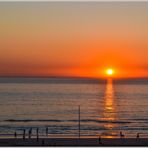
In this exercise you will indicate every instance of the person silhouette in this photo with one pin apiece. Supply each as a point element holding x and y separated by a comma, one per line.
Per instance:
<point>121,135</point>
<point>24,133</point>
<point>43,142</point>
<point>100,141</point>
<point>46,131</point>
<point>37,132</point>
<point>30,131</point>
<point>15,134</point>
<point>138,135</point>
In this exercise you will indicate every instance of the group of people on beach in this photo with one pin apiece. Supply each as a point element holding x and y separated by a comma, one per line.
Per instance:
<point>30,133</point>
<point>37,134</point>
<point>121,136</point>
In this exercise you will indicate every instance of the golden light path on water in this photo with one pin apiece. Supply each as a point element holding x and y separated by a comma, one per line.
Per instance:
<point>109,113</point>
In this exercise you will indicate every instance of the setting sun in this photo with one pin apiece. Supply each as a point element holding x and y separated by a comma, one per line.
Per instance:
<point>109,71</point>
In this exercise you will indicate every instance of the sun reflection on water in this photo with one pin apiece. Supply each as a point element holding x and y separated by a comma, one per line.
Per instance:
<point>109,112</point>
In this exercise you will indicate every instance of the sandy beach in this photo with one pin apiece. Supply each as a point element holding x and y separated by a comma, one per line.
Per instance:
<point>75,142</point>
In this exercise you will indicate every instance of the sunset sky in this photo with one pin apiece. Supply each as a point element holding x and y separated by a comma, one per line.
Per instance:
<point>73,38</point>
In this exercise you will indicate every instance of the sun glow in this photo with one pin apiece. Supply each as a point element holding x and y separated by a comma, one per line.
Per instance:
<point>109,71</point>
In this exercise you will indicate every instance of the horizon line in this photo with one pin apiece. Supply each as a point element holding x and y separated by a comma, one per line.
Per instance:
<point>72,77</point>
<point>73,0</point>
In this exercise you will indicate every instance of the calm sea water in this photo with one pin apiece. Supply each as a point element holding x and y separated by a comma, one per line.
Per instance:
<point>107,106</point>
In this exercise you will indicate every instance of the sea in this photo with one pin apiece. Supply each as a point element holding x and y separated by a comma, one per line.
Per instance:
<point>73,107</point>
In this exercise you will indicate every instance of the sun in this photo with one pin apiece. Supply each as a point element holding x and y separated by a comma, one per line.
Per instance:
<point>109,71</point>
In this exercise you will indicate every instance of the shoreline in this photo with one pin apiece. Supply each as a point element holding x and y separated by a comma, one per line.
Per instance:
<point>74,142</point>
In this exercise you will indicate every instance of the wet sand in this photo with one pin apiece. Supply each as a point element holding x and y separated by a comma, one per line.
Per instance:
<point>75,142</point>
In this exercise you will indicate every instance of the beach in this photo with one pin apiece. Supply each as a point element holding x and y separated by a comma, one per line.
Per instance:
<point>75,142</point>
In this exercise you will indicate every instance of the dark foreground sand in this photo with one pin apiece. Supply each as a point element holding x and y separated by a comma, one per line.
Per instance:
<point>75,142</point>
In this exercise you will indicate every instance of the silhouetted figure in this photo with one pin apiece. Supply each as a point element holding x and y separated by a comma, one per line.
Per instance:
<point>100,142</point>
<point>138,135</point>
<point>121,135</point>
<point>30,132</point>
<point>46,131</point>
<point>24,133</point>
<point>43,143</point>
<point>37,133</point>
<point>15,134</point>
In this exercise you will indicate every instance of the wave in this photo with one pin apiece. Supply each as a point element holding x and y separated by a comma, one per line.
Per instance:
<point>140,119</point>
<point>32,120</point>
<point>51,120</point>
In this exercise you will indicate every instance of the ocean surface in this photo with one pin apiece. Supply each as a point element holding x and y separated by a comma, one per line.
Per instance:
<point>106,107</point>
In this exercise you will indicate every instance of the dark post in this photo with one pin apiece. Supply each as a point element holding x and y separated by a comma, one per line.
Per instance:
<point>79,121</point>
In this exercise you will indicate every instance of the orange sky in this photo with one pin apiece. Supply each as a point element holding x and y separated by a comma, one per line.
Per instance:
<point>73,39</point>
